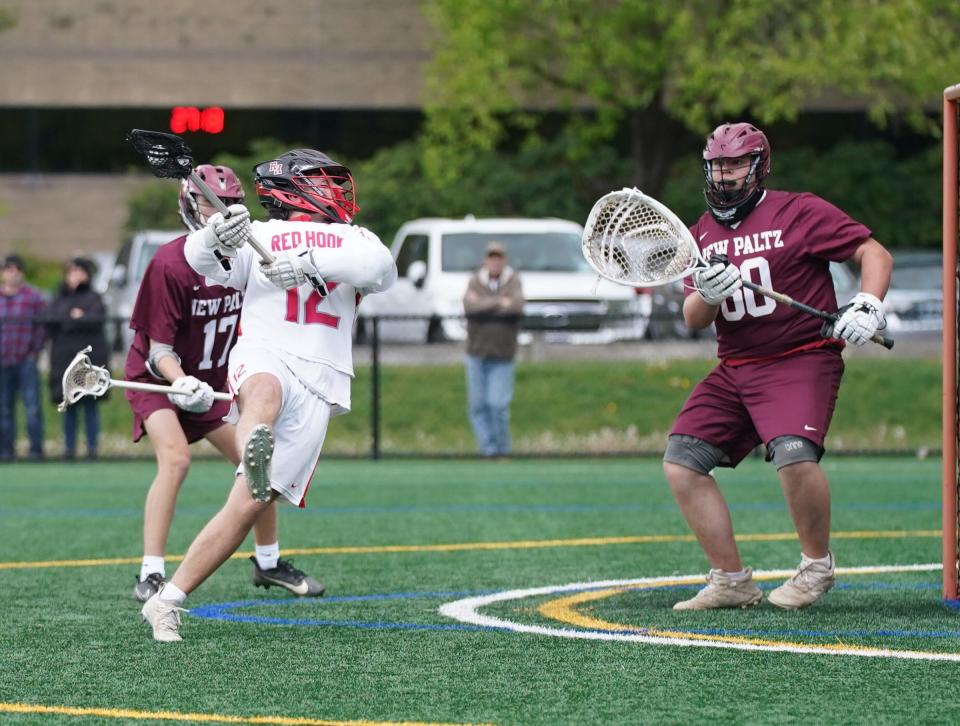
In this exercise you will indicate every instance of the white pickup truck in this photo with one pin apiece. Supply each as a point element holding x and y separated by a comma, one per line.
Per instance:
<point>564,298</point>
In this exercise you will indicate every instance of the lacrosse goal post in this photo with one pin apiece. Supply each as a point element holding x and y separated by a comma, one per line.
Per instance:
<point>951,333</point>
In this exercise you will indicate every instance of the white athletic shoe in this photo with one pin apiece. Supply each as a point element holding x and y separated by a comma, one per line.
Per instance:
<point>805,587</point>
<point>256,462</point>
<point>722,592</point>
<point>164,618</point>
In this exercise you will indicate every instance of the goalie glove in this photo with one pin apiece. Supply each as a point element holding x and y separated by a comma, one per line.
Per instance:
<point>230,233</point>
<point>195,396</point>
<point>718,281</point>
<point>290,270</point>
<point>857,321</point>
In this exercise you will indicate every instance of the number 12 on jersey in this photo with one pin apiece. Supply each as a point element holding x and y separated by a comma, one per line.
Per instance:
<point>309,311</point>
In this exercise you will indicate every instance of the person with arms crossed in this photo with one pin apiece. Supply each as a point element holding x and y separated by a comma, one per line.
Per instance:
<point>185,330</point>
<point>779,371</point>
<point>493,304</point>
<point>292,367</point>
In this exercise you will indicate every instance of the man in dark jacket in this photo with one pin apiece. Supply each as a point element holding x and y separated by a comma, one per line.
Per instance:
<point>493,304</point>
<point>75,320</point>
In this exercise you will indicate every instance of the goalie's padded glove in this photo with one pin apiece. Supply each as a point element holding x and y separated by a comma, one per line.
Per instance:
<point>857,321</point>
<point>290,270</point>
<point>195,396</point>
<point>718,281</point>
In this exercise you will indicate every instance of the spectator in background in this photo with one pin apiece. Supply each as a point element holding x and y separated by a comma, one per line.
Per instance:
<point>75,320</point>
<point>493,304</point>
<point>21,339</point>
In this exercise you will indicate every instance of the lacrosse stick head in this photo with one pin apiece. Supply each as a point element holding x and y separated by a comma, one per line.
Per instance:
<point>82,378</point>
<point>634,240</point>
<point>167,154</point>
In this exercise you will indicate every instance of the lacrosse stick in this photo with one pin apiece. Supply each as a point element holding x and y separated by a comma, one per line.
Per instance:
<point>83,378</point>
<point>634,240</point>
<point>170,158</point>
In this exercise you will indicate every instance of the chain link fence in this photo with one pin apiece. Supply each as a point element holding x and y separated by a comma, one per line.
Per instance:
<point>578,392</point>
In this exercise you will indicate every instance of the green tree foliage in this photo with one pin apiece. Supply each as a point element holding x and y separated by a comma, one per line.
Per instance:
<point>537,179</point>
<point>654,71</point>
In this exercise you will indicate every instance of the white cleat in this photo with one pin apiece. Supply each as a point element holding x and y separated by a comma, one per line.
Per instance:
<point>722,592</point>
<point>164,618</point>
<point>256,462</point>
<point>806,587</point>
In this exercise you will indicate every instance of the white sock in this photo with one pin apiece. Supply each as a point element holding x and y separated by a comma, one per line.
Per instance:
<point>171,593</point>
<point>825,561</point>
<point>268,555</point>
<point>151,564</point>
<point>738,576</point>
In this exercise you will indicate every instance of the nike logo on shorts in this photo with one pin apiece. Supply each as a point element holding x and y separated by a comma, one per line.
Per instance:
<point>808,428</point>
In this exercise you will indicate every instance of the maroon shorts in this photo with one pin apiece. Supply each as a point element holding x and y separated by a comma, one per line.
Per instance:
<point>738,408</point>
<point>195,425</point>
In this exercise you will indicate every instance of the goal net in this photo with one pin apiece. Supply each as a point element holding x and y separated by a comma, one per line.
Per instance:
<point>951,334</point>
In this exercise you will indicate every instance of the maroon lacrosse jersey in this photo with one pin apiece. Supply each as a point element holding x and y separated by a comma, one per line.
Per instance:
<point>177,306</point>
<point>786,244</point>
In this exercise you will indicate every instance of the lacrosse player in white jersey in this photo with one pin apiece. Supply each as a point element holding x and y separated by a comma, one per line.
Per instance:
<point>292,367</point>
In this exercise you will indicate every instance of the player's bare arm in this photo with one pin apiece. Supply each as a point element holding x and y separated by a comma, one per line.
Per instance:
<point>876,267</point>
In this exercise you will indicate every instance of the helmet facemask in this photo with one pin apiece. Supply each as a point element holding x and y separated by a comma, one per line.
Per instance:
<point>725,190</point>
<point>306,182</point>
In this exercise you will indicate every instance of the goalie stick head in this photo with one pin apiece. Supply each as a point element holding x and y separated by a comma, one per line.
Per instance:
<point>736,160</point>
<point>634,240</point>
<point>167,154</point>
<point>222,180</point>
<point>306,181</point>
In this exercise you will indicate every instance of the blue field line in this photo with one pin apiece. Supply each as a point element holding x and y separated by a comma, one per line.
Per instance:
<point>25,513</point>
<point>223,611</point>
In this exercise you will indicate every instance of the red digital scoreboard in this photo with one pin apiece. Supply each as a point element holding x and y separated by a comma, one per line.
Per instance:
<point>191,118</point>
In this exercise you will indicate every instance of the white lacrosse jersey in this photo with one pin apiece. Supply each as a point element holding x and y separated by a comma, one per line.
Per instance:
<point>300,325</point>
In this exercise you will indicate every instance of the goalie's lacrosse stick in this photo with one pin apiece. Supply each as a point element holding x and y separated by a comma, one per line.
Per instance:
<point>83,378</point>
<point>170,158</point>
<point>634,240</point>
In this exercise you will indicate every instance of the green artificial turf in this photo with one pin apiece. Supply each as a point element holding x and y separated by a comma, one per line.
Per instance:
<point>377,648</point>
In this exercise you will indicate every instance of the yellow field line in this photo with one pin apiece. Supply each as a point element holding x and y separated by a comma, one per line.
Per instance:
<point>564,610</point>
<point>25,708</point>
<point>475,546</point>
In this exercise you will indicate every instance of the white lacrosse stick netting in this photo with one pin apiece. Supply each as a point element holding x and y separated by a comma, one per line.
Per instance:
<point>632,239</point>
<point>83,378</point>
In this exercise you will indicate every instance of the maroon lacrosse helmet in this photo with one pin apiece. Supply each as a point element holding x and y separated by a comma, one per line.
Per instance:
<point>729,205</point>
<point>222,180</point>
<point>306,182</point>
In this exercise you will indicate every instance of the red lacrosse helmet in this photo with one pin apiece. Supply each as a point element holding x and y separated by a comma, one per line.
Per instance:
<point>307,182</point>
<point>733,141</point>
<point>222,180</point>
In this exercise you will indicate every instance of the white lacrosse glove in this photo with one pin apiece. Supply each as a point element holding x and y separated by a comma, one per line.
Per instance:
<point>718,281</point>
<point>197,396</point>
<point>290,270</point>
<point>858,321</point>
<point>226,234</point>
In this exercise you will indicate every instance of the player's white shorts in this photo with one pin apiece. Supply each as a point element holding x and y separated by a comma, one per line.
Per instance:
<point>301,424</point>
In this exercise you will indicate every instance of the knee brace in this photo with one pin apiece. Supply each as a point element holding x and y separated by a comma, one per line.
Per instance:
<point>693,453</point>
<point>785,450</point>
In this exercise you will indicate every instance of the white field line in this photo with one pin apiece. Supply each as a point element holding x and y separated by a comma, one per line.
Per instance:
<point>467,610</point>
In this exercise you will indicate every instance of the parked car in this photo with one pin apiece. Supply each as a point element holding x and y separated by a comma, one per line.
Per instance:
<point>914,302</point>
<point>131,262</point>
<point>565,299</point>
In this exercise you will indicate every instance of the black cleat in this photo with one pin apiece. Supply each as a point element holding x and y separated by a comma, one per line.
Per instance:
<point>145,589</point>
<point>287,576</point>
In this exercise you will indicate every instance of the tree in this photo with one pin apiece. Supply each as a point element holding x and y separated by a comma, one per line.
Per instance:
<point>655,72</point>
